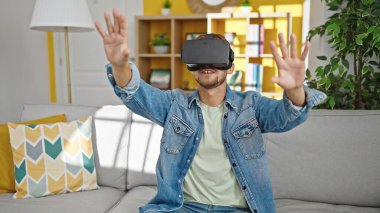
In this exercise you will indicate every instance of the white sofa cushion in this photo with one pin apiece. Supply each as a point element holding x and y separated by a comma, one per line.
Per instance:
<point>100,200</point>
<point>112,124</point>
<point>334,157</point>
<point>143,152</point>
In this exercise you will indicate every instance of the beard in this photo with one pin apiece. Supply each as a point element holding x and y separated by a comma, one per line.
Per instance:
<point>212,83</point>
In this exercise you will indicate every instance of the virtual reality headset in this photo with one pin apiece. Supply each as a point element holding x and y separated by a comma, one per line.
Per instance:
<point>208,52</point>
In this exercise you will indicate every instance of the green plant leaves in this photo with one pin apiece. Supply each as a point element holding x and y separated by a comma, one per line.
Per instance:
<point>319,71</point>
<point>346,63</point>
<point>360,37</point>
<point>367,2</point>
<point>333,29</point>
<point>353,32</point>
<point>331,102</point>
<point>160,39</point>
<point>322,57</point>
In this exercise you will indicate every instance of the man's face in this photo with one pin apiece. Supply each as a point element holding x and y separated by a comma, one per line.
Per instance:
<point>210,77</point>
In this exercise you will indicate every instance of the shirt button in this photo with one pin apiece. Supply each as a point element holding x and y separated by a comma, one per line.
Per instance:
<point>255,210</point>
<point>179,195</point>
<point>197,138</point>
<point>225,142</point>
<point>110,75</point>
<point>188,161</point>
<point>179,181</point>
<point>234,164</point>
<point>225,116</point>
<point>244,187</point>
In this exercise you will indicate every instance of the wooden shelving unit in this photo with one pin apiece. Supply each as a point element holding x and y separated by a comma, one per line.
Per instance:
<point>177,27</point>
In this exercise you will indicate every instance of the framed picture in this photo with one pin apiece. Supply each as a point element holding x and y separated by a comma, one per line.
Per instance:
<point>191,36</point>
<point>160,78</point>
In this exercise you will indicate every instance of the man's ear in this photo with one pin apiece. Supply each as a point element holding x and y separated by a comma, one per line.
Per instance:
<point>231,70</point>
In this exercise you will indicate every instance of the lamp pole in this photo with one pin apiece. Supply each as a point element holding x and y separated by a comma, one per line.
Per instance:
<point>68,64</point>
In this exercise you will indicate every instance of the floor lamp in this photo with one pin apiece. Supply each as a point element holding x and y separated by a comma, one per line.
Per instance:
<point>62,16</point>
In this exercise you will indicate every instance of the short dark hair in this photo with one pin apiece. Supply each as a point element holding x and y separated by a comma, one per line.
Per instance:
<point>213,36</point>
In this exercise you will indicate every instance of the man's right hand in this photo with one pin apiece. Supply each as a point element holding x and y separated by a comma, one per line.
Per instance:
<point>116,46</point>
<point>115,42</point>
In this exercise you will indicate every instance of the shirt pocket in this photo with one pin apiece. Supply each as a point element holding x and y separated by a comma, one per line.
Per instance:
<point>176,135</point>
<point>249,139</point>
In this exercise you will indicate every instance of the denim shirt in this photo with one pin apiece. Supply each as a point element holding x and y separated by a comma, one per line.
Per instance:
<point>248,115</point>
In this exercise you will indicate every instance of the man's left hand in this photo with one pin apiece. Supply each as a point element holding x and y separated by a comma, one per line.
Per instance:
<point>291,69</point>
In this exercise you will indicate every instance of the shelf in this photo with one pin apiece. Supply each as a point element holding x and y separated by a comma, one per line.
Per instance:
<point>272,94</point>
<point>262,56</point>
<point>260,15</point>
<point>219,15</point>
<point>178,26</point>
<point>177,17</point>
<point>154,55</point>
<point>259,56</point>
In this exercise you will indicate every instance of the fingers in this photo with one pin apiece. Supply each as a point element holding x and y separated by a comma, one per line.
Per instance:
<point>100,29</point>
<point>275,53</point>
<point>116,20</point>
<point>108,22</point>
<point>305,51</point>
<point>123,26</point>
<point>293,46</point>
<point>284,49</point>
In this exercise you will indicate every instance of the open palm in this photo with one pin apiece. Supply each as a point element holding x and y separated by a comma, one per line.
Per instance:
<point>115,42</point>
<point>291,70</point>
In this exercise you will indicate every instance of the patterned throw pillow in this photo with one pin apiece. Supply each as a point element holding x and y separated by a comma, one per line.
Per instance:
<point>7,175</point>
<point>52,158</point>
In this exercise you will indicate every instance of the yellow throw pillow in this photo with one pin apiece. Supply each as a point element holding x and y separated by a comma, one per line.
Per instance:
<point>53,158</point>
<point>7,175</point>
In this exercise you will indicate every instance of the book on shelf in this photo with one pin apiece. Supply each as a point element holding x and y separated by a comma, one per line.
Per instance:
<point>254,77</point>
<point>255,40</point>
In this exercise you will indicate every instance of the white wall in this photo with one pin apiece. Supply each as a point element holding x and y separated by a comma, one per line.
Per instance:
<point>318,15</point>
<point>90,85</point>
<point>24,74</point>
<point>23,60</point>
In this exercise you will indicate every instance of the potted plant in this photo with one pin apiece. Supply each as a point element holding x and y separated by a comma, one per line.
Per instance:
<point>246,6</point>
<point>166,7</point>
<point>349,77</point>
<point>160,43</point>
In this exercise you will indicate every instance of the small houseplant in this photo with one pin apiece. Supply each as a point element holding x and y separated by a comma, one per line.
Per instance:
<point>349,77</point>
<point>166,7</point>
<point>246,6</point>
<point>160,43</point>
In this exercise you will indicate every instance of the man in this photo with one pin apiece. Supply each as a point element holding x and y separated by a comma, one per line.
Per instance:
<point>212,155</point>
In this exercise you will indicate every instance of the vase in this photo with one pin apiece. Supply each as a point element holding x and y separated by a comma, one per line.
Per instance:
<point>161,49</point>
<point>165,11</point>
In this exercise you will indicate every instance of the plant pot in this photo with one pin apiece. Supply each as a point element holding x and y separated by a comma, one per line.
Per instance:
<point>161,49</point>
<point>246,9</point>
<point>165,11</point>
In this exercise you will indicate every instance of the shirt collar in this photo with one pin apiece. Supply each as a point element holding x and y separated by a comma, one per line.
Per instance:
<point>229,98</point>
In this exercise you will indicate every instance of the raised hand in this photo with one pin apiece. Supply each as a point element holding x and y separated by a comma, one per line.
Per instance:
<point>115,41</point>
<point>291,69</point>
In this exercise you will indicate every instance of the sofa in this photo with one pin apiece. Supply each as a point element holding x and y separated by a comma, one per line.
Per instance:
<point>331,163</point>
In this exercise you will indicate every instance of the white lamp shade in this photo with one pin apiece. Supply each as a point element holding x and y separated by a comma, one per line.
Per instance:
<point>55,15</point>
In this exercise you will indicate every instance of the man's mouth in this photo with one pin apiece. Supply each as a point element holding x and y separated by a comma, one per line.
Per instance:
<point>207,71</point>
